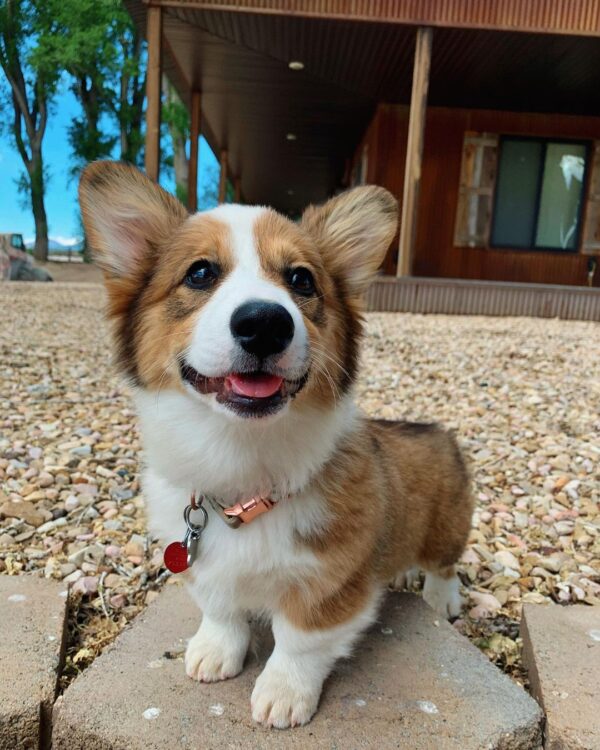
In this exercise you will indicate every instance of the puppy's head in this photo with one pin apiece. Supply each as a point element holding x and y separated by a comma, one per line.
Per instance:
<point>237,307</point>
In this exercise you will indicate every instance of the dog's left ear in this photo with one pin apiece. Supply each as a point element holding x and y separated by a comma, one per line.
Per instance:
<point>353,232</point>
<point>125,216</point>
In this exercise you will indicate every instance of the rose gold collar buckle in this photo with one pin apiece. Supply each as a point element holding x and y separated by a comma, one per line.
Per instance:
<point>249,509</point>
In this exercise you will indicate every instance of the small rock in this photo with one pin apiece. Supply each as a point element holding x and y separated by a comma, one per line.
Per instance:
<point>82,450</point>
<point>118,601</point>
<point>73,577</point>
<point>86,585</point>
<point>45,479</point>
<point>23,510</point>
<point>484,603</point>
<point>71,503</point>
<point>133,549</point>
<point>507,559</point>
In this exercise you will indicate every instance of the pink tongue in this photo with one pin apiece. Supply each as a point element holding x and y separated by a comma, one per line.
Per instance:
<point>254,386</point>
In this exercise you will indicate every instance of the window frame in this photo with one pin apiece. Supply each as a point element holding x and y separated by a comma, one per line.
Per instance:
<point>587,144</point>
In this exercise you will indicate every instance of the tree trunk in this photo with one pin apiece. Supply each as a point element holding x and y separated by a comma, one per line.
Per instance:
<point>181,165</point>
<point>36,181</point>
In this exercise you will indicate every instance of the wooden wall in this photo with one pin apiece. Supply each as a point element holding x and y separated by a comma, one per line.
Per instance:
<point>435,254</point>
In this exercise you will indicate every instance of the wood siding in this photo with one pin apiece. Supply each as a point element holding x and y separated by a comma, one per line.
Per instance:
<point>458,297</point>
<point>435,253</point>
<point>544,16</point>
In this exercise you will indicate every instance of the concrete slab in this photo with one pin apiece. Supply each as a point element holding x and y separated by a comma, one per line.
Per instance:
<point>561,650</point>
<point>414,683</point>
<point>32,625</point>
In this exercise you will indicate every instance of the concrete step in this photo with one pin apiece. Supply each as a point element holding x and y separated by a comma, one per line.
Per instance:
<point>561,650</point>
<point>413,683</point>
<point>32,627</point>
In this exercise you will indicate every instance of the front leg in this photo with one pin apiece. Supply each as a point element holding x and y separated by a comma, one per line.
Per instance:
<point>287,691</point>
<point>218,649</point>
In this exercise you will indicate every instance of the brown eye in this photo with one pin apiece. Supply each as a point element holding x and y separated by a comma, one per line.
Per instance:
<point>301,281</point>
<point>201,275</point>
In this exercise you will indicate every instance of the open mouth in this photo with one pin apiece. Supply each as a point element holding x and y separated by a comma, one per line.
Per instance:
<point>249,394</point>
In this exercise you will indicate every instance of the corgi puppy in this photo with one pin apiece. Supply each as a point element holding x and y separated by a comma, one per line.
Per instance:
<point>239,331</point>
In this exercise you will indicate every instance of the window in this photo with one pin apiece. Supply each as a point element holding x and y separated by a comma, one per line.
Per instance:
<point>16,240</point>
<point>539,194</point>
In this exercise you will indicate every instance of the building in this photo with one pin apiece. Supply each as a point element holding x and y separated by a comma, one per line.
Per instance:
<point>481,116</point>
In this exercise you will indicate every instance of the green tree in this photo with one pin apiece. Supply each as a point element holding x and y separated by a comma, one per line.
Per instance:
<point>128,82</point>
<point>32,83</point>
<point>83,46</point>
<point>97,44</point>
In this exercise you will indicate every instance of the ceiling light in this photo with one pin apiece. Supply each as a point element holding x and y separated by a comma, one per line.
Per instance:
<point>291,136</point>
<point>290,192</point>
<point>296,65</point>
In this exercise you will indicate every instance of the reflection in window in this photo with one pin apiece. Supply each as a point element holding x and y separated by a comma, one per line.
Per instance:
<point>562,188</point>
<point>539,194</point>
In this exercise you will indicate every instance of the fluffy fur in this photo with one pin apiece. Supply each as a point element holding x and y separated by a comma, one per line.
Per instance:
<point>361,502</point>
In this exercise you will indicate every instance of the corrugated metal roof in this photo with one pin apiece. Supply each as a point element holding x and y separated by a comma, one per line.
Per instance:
<point>542,16</point>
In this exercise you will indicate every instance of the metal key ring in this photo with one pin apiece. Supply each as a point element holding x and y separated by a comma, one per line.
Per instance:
<point>195,528</point>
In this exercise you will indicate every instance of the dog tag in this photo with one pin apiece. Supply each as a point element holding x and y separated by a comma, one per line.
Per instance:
<point>192,549</point>
<point>176,557</point>
<point>179,556</point>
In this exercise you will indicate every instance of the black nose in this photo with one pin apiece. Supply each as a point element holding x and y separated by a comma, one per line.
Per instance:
<point>262,328</point>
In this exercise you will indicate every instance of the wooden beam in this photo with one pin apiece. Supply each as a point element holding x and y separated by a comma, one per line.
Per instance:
<point>414,151</point>
<point>223,177</point>
<point>153,91</point>
<point>237,190</point>
<point>194,147</point>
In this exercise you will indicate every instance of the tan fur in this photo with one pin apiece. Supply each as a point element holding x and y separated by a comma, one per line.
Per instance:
<point>391,510</point>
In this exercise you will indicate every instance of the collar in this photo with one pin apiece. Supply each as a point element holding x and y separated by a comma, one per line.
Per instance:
<point>243,512</point>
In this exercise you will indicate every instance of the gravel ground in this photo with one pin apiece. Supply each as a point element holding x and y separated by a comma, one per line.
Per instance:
<point>522,394</point>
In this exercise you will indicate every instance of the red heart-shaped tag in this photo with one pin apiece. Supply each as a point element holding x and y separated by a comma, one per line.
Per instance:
<point>175,557</point>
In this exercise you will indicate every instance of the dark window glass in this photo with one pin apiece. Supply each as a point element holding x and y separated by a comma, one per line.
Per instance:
<point>539,194</point>
<point>516,193</point>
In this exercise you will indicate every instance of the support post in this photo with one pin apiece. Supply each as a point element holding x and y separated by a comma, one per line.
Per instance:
<point>153,91</point>
<point>223,177</point>
<point>194,148</point>
<point>414,151</point>
<point>237,189</point>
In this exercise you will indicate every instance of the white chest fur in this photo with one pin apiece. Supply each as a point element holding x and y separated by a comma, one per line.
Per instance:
<point>251,565</point>
<point>192,448</point>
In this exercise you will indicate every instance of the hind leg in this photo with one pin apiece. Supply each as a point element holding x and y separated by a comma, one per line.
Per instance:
<point>442,591</point>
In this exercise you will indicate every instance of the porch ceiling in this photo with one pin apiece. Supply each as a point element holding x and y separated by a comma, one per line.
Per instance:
<point>251,100</point>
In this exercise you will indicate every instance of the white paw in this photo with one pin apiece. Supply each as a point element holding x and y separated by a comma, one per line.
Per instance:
<point>405,580</point>
<point>278,702</point>
<point>443,594</point>
<point>211,657</point>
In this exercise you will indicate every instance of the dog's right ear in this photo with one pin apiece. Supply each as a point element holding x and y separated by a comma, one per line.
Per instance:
<point>125,216</point>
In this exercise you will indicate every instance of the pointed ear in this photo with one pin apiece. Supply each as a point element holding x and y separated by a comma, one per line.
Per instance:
<point>125,216</point>
<point>354,231</point>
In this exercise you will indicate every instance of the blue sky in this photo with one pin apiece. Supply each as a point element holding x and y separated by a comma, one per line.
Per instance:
<point>61,192</point>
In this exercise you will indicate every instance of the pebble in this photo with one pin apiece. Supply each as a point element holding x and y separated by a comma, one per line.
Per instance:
<point>86,585</point>
<point>45,479</point>
<point>507,559</point>
<point>71,503</point>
